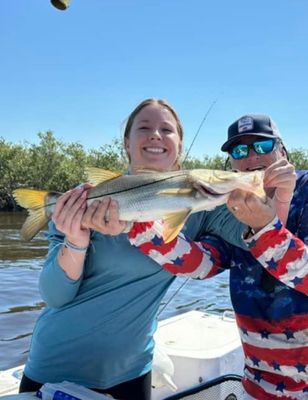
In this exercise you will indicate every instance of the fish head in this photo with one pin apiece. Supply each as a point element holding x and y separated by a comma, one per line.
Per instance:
<point>215,183</point>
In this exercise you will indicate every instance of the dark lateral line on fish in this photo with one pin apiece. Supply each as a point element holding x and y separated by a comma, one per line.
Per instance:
<point>120,191</point>
<point>135,187</point>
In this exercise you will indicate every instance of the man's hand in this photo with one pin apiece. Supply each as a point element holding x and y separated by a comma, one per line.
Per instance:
<point>281,176</point>
<point>250,209</point>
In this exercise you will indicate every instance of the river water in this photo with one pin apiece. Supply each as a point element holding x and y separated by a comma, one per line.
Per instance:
<point>20,301</point>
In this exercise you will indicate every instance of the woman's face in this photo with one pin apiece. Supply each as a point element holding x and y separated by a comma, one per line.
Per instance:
<point>154,141</point>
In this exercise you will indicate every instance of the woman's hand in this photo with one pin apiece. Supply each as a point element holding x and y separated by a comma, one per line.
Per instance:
<point>103,216</point>
<point>281,176</point>
<point>68,214</point>
<point>250,209</point>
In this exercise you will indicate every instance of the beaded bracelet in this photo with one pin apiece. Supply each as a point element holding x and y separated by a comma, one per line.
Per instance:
<point>74,247</point>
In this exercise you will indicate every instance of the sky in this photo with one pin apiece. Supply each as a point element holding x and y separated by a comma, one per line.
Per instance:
<point>80,72</point>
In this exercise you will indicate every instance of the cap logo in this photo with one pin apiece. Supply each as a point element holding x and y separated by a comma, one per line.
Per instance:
<point>245,124</point>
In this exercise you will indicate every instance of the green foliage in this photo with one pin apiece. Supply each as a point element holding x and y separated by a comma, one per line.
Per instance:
<point>217,162</point>
<point>54,165</point>
<point>299,157</point>
<point>110,156</point>
<point>51,164</point>
<point>14,165</point>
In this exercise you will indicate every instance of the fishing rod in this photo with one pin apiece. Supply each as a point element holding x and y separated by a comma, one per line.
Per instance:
<point>200,126</point>
<point>186,155</point>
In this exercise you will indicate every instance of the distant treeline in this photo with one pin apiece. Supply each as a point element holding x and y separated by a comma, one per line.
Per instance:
<point>55,165</point>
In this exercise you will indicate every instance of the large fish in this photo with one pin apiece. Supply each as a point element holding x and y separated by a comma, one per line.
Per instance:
<point>171,196</point>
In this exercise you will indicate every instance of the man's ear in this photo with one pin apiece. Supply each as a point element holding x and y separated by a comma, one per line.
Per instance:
<point>283,151</point>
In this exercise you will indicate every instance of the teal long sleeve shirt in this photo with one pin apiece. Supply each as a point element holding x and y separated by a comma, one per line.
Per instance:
<point>98,331</point>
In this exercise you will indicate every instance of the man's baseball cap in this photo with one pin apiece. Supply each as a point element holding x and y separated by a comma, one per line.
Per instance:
<point>251,124</point>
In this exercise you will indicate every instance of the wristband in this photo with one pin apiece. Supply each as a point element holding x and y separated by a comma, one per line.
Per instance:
<point>74,247</point>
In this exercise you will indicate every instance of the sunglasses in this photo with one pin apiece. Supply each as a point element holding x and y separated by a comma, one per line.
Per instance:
<point>240,151</point>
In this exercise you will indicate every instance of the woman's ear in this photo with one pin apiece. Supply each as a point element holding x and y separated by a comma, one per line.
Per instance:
<point>126,144</point>
<point>126,147</point>
<point>178,161</point>
<point>180,149</point>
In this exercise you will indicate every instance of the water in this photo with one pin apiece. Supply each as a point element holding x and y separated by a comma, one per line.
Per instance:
<point>20,301</point>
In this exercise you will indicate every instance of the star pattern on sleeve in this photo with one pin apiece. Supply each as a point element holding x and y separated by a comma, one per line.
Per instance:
<point>292,244</point>
<point>276,366</point>
<point>300,367</point>
<point>157,241</point>
<point>280,387</point>
<point>245,331</point>
<point>297,281</point>
<point>289,334</point>
<point>272,264</point>
<point>284,255</point>
<point>178,261</point>
<point>257,376</point>
<point>278,225</point>
<point>264,334</point>
<point>255,360</point>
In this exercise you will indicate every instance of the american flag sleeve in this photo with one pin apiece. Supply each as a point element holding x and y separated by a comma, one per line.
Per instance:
<point>283,255</point>
<point>181,256</point>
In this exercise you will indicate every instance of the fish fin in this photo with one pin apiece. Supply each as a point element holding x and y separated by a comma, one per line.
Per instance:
<point>176,192</point>
<point>261,193</point>
<point>98,175</point>
<point>257,181</point>
<point>34,201</point>
<point>173,223</point>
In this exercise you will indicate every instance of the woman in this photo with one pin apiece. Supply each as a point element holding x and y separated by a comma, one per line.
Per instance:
<point>102,295</point>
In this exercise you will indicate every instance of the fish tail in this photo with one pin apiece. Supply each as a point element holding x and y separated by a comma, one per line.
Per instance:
<point>34,201</point>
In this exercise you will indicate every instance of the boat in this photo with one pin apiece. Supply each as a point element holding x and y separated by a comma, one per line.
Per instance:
<point>195,352</point>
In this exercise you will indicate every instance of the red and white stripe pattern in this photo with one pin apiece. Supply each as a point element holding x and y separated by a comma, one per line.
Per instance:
<point>276,353</point>
<point>181,256</point>
<point>282,254</point>
<point>273,387</point>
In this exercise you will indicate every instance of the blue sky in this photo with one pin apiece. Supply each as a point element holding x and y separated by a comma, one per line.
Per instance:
<point>80,72</point>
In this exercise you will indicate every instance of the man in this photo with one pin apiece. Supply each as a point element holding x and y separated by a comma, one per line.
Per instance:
<point>268,283</point>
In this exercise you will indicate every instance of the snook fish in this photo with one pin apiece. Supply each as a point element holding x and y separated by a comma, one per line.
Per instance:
<point>171,196</point>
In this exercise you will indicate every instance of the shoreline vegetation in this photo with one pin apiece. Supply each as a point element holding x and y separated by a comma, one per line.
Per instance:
<point>55,165</point>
